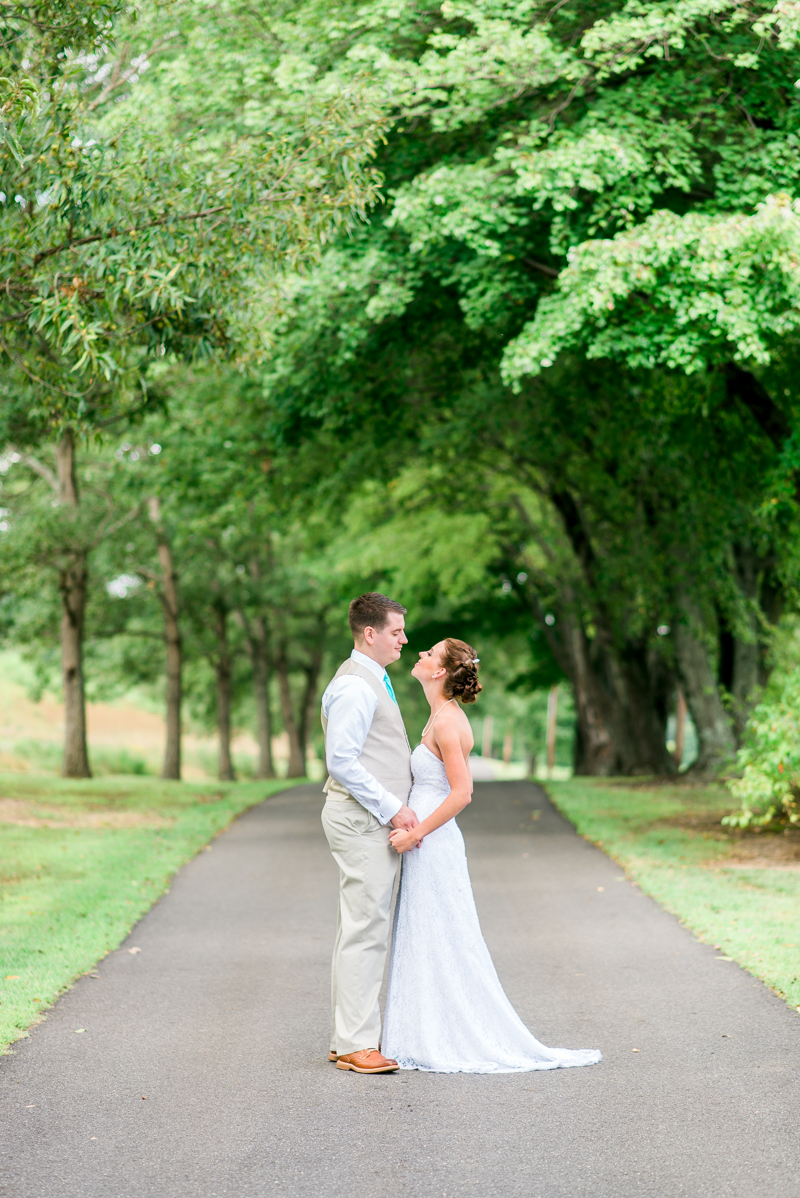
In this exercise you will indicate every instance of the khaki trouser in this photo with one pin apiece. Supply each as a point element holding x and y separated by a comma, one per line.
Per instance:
<point>367,869</point>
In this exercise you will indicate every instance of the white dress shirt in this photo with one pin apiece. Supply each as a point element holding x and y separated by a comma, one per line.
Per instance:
<point>349,705</point>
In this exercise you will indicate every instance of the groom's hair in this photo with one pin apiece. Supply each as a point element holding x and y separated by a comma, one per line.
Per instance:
<point>372,611</point>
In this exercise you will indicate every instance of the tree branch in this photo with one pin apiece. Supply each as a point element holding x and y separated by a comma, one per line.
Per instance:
<point>39,468</point>
<point>152,224</point>
<point>119,76</point>
<point>550,271</point>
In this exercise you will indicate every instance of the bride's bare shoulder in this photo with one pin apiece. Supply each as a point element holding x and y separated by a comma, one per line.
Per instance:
<point>454,719</point>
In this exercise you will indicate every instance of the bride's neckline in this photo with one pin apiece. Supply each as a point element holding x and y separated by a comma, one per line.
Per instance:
<point>422,745</point>
<point>432,720</point>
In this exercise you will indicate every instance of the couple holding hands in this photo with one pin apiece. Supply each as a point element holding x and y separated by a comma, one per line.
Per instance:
<point>446,1011</point>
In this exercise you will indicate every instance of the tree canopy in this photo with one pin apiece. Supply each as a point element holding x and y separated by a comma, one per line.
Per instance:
<point>568,188</point>
<point>140,221</point>
<point>493,303</point>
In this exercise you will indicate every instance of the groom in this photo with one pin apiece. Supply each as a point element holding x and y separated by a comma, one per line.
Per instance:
<point>368,758</point>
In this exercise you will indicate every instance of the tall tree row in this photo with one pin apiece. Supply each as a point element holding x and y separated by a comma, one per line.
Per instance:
<point>199,574</point>
<point>580,298</point>
<point>140,225</point>
<point>560,322</point>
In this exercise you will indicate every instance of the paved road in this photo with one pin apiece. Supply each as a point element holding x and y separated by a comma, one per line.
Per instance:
<point>221,1021</point>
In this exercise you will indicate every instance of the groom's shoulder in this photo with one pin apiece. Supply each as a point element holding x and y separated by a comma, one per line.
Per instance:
<point>350,684</point>
<point>350,669</point>
<point>349,666</point>
<point>353,673</point>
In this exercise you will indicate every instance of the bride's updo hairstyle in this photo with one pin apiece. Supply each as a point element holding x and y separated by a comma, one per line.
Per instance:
<point>461,663</point>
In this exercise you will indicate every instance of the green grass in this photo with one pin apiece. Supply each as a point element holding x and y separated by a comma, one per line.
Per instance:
<point>669,840</point>
<point>70,894</point>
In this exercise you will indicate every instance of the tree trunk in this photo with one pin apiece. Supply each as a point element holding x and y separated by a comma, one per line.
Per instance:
<point>72,584</point>
<point>714,731</point>
<point>772,598</point>
<point>647,683</point>
<point>174,646</point>
<point>224,694</point>
<point>308,701</point>
<point>552,728</point>
<point>621,697</point>
<point>595,751</point>
<point>756,578</point>
<point>257,646</point>
<point>620,687</point>
<point>621,700</point>
<point>261,695</point>
<point>73,580</point>
<point>745,683</point>
<point>750,659</point>
<point>680,726</point>
<point>297,763</point>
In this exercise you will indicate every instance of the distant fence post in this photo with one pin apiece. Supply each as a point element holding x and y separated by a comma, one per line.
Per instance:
<point>488,728</point>
<point>552,722</point>
<point>680,726</point>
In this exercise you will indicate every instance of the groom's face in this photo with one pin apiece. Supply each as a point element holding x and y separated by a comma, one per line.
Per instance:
<point>386,644</point>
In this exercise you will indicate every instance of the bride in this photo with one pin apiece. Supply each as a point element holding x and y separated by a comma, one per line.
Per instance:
<point>446,1011</point>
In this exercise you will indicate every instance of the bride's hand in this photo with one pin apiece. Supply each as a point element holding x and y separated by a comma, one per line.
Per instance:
<point>403,840</point>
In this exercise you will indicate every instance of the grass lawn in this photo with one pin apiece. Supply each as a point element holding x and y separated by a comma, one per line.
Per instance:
<point>738,891</point>
<point>81,862</point>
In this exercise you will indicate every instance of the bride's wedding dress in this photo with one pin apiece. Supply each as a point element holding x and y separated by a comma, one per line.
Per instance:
<point>446,1011</point>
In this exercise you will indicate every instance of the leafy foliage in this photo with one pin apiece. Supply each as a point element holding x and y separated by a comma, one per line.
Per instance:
<point>549,378</point>
<point>128,234</point>
<point>566,186</point>
<point>683,292</point>
<point>769,786</point>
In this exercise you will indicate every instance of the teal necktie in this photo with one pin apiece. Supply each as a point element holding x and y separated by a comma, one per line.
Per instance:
<point>389,688</point>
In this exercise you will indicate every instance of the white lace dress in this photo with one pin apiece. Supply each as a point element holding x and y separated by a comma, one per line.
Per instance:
<point>446,1011</point>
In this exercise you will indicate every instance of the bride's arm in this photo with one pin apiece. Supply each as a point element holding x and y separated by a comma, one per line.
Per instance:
<point>448,740</point>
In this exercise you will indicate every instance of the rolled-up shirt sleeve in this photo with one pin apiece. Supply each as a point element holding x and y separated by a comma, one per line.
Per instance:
<point>349,705</point>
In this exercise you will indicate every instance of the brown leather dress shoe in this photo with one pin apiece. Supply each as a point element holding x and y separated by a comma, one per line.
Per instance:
<point>367,1060</point>
<point>333,1056</point>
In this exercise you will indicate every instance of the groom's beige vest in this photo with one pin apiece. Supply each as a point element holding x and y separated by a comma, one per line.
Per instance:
<point>386,753</point>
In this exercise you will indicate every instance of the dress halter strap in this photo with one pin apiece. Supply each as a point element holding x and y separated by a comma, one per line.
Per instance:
<point>432,720</point>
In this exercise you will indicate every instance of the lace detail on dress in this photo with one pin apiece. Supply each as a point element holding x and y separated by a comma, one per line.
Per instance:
<point>429,774</point>
<point>446,1011</point>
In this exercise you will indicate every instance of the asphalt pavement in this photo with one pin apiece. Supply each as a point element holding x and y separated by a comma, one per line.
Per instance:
<point>202,1069</point>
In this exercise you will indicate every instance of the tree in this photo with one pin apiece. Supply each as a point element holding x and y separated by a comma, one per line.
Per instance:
<point>256,640</point>
<point>50,533</point>
<point>565,183</point>
<point>250,573</point>
<point>173,640</point>
<point>128,238</point>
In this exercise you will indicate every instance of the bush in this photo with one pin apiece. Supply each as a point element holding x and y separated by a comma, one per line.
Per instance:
<point>117,761</point>
<point>769,786</point>
<point>45,756</point>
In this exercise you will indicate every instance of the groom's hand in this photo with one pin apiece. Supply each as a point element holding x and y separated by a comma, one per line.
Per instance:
<point>405,819</point>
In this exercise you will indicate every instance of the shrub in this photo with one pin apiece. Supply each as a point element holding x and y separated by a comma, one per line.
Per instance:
<point>117,761</point>
<point>769,786</point>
